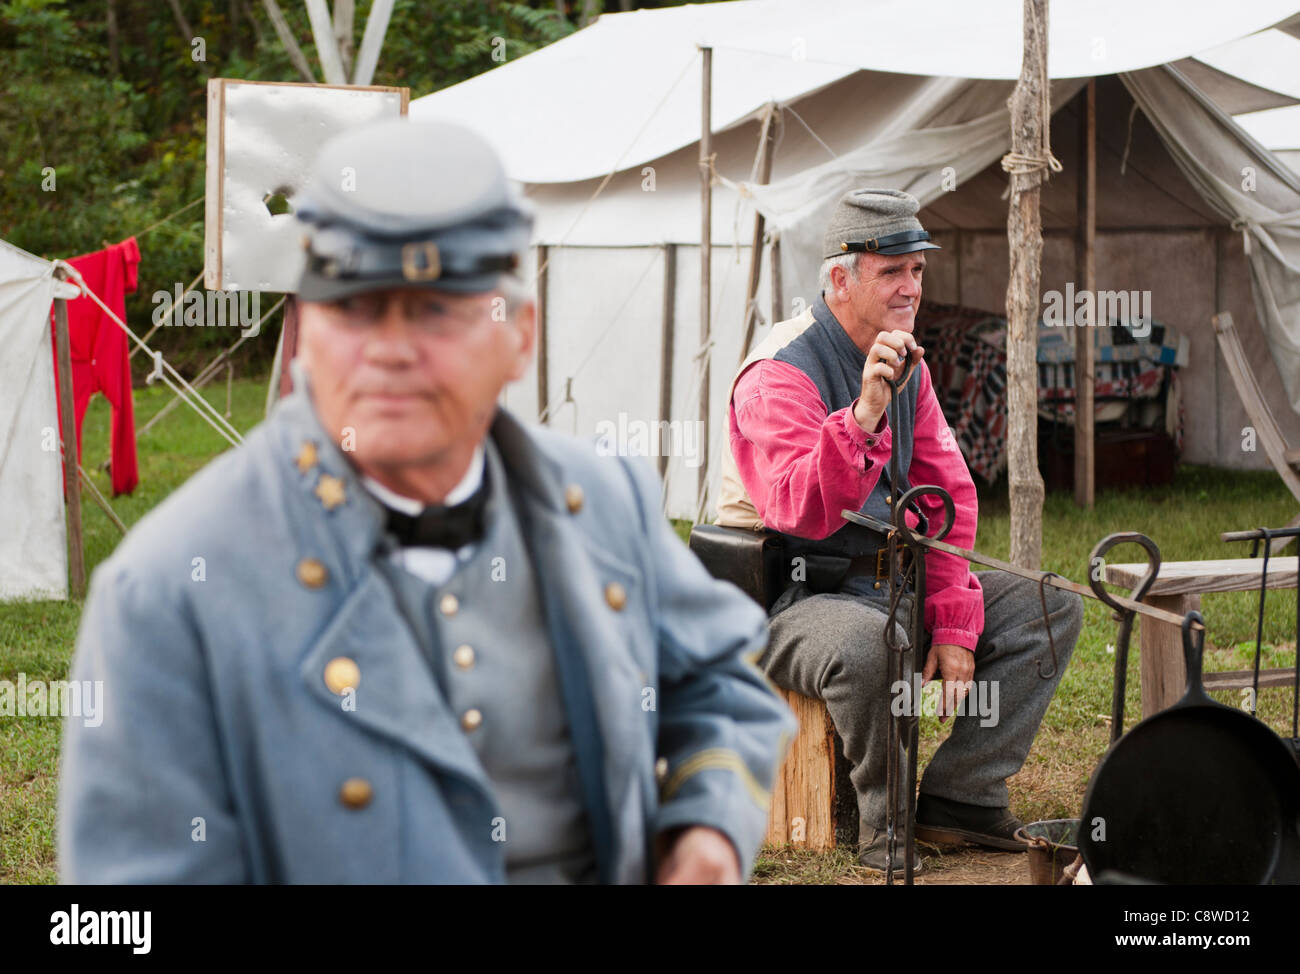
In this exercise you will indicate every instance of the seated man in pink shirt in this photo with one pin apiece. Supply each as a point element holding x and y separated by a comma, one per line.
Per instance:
<point>811,431</point>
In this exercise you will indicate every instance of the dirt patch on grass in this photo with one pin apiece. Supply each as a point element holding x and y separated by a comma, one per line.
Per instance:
<point>951,866</point>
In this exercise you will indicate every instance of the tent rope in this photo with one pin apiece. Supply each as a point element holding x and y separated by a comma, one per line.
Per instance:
<point>156,225</point>
<point>617,165</point>
<point>815,136</point>
<point>546,413</point>
<point>176,310</point>
<point>1018,163</point>
<point>175,381</point>
<point>1128,139</point>
<point>211,369</point>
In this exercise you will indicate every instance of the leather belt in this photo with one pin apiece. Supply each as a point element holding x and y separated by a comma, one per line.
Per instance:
<point>876,564</point>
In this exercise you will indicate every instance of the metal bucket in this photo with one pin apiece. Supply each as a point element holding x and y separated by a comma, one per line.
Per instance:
<point>1053,844</point>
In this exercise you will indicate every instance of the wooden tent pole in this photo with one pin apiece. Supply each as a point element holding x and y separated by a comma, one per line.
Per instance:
<point>68,432</point>
<point>1026,163</point>
<point>543,363</point>
<point>706,259</point>
<point>666,344</point>
<point>778,298</point>
<point>1086,271</point>
<point>766,139</point>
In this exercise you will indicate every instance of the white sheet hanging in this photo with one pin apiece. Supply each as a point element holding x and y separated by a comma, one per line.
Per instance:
<point>33,539</point>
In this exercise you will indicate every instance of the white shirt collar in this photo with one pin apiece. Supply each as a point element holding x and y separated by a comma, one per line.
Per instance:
<point>409,505</point>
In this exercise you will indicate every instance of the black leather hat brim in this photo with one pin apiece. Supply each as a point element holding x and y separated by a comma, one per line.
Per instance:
<point>907,248</point>
<point>316,287</point>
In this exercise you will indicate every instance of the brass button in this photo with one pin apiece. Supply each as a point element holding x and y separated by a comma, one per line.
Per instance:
<point>448,605</point>
<point>312,573</point>
<point>356,793</point>
<point>616,596</point>
<point>661,770</point>
<point>331,491</point>
<point>471,719</point>
<point>342,674</point>
<point>876,585</point>
<point>573,498</point>
<point>306,458</point>
<point>464,656</point>
<point>889,498</point>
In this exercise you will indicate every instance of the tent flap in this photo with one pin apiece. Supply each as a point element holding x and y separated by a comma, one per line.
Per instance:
<point>33,542</point>
<point>1241,182</point>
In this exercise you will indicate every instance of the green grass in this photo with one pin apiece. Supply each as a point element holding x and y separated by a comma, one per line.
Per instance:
<point>1184,519</point>
<point>37,638</point>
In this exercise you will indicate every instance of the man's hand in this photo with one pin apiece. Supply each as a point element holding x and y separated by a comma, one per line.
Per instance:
<point>956,666</point>
<point>892,352</point>
<point>697,856</point>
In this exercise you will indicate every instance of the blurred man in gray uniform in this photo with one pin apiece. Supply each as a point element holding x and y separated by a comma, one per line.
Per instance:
<point>425,643</point>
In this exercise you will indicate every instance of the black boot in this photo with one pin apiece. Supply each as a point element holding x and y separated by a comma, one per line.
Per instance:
<point>942,820</point>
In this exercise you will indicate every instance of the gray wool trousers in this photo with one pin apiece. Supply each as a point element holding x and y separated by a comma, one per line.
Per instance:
<point>832,646</point>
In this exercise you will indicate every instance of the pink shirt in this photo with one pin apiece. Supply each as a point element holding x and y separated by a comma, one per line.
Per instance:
<point>801,467</point>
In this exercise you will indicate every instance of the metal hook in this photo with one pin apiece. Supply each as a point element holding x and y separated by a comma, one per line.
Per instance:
<point>1140,590</point>
<point>1047,624</point>
<point>1124,615</point>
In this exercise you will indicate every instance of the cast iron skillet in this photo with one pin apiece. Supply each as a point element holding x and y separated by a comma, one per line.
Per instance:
<point>1198,793</point>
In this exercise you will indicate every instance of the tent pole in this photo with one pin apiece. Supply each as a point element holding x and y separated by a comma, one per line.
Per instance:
<point>706,260</point>
<point>778,299</point>
<point>68,424</point>
<point>763,164</point>
<point>289,342</point>
<point>956,260</point>
<point>543,366</point>
<point>1026,163</point>
<point>1086,271</point>
<point>666,344</point>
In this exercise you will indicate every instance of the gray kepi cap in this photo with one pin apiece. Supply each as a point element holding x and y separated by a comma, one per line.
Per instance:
<point>399,203</point>
<point>877,221</point>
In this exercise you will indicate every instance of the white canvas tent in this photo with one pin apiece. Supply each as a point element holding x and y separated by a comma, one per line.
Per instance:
<point>34,539</point>
<point>602,128</point>
<point>1270,60</point>
<point>33,543</point>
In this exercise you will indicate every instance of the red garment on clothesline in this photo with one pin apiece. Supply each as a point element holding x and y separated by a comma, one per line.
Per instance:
<point>100,352</point>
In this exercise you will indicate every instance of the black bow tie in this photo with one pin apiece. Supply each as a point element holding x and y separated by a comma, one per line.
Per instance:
<point>440,526</point>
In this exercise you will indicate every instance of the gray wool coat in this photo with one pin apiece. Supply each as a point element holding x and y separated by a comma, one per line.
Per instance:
<point>224,755</point>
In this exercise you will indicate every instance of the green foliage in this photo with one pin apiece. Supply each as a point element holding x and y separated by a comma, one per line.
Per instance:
<point>103,136</point>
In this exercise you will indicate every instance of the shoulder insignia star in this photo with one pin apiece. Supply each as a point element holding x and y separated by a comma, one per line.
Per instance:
<point>306,458</point>
<point>330,491</point>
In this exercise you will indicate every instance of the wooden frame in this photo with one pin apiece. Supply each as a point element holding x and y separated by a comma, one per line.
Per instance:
<point>214,187</point>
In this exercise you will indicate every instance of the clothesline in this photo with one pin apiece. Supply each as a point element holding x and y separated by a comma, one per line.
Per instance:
<point>175,381</point>
<point>155,225</point>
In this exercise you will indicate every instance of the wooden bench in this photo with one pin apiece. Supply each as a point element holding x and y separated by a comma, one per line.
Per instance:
<point>1178,588</point>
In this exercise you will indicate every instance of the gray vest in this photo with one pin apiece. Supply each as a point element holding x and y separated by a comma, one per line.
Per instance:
<point>828,356</point>
<point>493,661</point>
